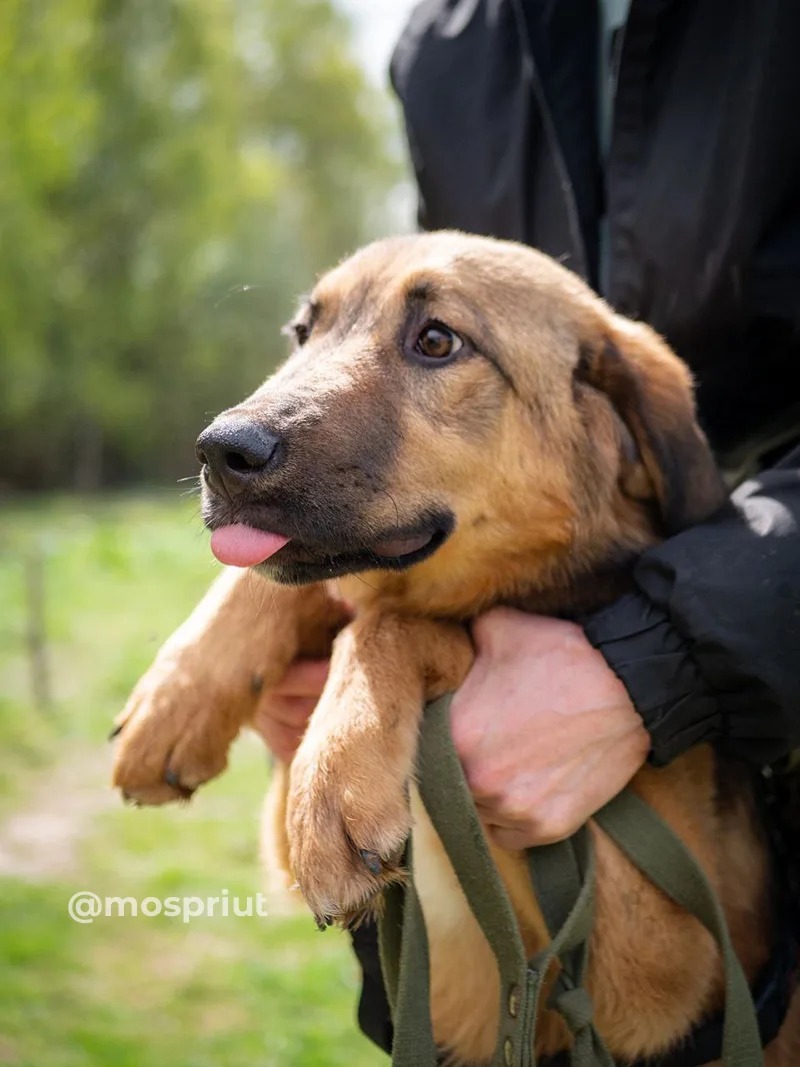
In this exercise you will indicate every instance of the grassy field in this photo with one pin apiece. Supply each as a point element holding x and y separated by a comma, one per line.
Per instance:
<point>145,992</point>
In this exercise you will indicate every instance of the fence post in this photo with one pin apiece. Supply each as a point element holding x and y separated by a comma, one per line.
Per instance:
<point>38,656</point>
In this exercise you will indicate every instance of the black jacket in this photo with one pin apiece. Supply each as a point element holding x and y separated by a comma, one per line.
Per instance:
<point>702,193</point>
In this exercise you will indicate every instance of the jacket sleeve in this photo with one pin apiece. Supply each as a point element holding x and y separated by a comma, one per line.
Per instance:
<point>708,645</point>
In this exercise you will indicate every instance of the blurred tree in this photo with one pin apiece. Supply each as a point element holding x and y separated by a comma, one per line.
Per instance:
<point>172,173</point>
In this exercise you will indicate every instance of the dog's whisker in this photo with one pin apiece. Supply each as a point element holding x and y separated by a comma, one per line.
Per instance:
<point>396,509</point>
<point>236,290</point>
<point>365,582</point>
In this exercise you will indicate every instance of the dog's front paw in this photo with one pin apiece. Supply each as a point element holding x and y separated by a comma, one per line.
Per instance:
<point>172,739</point>
<point>346,838</point>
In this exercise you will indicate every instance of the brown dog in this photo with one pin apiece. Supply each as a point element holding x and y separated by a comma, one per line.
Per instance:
<point>462,423</point>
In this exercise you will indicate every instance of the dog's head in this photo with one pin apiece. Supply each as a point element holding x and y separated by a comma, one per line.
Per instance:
<point>465,411</point>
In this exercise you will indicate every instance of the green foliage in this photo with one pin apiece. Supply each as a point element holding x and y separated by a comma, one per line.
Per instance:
<point>272,992</point>
<point>172,174</point>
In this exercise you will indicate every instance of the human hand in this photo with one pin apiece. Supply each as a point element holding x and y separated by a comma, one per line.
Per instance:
<point>545,730</point>
<point>284,711</point>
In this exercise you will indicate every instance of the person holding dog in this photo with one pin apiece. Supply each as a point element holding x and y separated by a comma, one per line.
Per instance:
<point>654,148</point>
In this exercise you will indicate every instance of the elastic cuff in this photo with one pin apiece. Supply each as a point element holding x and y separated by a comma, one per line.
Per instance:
<point>678,707</point>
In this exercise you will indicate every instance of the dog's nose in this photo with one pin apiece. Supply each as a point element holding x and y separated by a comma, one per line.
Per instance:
<point>238,451</point>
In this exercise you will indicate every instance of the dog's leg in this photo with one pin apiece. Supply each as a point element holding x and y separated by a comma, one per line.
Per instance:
<point>348,807</point>
<point>204,685</point>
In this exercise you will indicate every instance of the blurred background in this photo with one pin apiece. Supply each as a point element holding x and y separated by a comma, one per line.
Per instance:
<point>173,173</point>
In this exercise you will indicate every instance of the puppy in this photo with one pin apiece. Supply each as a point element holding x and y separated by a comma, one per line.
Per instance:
<point>462,423</point>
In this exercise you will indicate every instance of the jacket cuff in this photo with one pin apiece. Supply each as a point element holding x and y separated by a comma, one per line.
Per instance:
<point>677,705</point>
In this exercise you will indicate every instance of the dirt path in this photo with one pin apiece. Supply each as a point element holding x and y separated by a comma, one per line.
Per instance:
<point>41,840</point>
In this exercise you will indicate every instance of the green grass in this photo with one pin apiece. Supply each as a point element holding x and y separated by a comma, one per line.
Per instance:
<point>119,574</point>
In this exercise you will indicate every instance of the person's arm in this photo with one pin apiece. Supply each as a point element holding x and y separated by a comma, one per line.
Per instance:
<point>709,646</point>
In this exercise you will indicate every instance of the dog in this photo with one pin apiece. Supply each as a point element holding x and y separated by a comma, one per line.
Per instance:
<point>462,423</point>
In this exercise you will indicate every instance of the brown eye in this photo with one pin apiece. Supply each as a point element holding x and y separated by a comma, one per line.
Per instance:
<point>438,342</point>
<point>298,332</point>
<point>301,332</point>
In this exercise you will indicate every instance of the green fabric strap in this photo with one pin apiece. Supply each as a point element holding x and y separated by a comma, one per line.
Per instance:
<point>448,803</point>
<point>563,876</point>
<point>651,845</point>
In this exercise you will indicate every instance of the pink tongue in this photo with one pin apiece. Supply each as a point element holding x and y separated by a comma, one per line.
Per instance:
<point>244,546</point>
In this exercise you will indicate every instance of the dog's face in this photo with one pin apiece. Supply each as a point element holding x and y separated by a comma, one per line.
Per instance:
<point>455,407</point>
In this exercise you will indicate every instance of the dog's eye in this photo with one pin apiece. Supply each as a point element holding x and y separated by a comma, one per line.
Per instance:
<point>437,342</point>
<point>301,331</point>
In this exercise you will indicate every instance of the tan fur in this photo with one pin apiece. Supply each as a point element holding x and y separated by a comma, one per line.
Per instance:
<point>567,441</point>
<point>206,681</point>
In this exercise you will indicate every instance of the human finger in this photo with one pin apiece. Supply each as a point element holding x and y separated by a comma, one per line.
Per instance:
<point>304,678</point>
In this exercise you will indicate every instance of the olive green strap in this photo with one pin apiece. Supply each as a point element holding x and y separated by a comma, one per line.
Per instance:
<point>413,1043</point>
<point>403,939</point>
<point>651,846</point>
<point>449,805</point>
<point>563,876</point>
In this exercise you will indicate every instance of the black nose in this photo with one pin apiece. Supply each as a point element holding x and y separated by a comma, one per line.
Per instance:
<point>237,451</point>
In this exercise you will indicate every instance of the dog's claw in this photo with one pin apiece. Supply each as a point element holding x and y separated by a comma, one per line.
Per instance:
<point>323,922</point>
<point>174,782</point>
<point>372,861</point>
<point>116,731</point>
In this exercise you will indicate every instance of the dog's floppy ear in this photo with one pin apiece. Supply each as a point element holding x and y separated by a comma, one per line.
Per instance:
<point>665,455</point>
